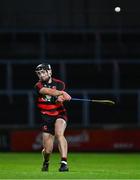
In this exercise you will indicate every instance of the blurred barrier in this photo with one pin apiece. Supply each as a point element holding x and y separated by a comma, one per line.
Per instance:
<point>117,140</point>
<point>5,140</point>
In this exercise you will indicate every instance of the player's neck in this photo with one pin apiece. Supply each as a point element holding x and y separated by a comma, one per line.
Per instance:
<point>50,80</point>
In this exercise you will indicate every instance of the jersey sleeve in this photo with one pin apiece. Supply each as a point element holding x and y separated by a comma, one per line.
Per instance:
<point>60,84</point>
<point>38,86</point>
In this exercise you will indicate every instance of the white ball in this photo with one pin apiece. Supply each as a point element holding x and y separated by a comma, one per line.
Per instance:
<point>117,9</point>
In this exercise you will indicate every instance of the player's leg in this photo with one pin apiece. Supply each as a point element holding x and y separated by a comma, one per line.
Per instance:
<point>48,140</point>
<point>60,126</point>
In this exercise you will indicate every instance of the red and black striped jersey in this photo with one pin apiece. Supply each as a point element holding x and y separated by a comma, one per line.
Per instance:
<point>47,104</point>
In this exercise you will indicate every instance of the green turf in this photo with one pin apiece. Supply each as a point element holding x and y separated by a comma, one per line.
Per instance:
<point>81,165</point>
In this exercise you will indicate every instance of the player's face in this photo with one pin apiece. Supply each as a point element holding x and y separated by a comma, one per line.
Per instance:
<point>43,75</point>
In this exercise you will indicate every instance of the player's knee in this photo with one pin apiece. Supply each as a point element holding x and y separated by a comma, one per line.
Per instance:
<point>59,135</point>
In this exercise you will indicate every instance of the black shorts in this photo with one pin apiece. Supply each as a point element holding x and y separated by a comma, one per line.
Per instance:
<point>49,122</point>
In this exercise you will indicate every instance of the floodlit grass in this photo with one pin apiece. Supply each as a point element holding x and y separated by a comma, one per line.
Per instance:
<point>81,165</point>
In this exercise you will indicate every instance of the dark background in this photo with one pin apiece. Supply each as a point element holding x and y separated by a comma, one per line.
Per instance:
<point>95,50</point>
<point>68,13</point>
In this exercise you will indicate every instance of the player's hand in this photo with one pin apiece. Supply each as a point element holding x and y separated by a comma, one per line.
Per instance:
<point>66,96</point>
<point>60,99</point>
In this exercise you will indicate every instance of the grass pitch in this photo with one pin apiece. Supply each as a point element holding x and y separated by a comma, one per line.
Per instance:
<point>81,165</point>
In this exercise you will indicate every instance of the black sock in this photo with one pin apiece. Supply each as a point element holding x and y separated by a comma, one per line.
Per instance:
<point>46,156</point>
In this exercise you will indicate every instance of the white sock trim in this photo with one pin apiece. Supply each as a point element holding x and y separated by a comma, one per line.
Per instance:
<point>64,162</point>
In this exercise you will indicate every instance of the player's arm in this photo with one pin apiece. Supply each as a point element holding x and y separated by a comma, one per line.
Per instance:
<point>54,92</point>
<point>65,96</point>
<point>46,91</point>
<point>49,91</point>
